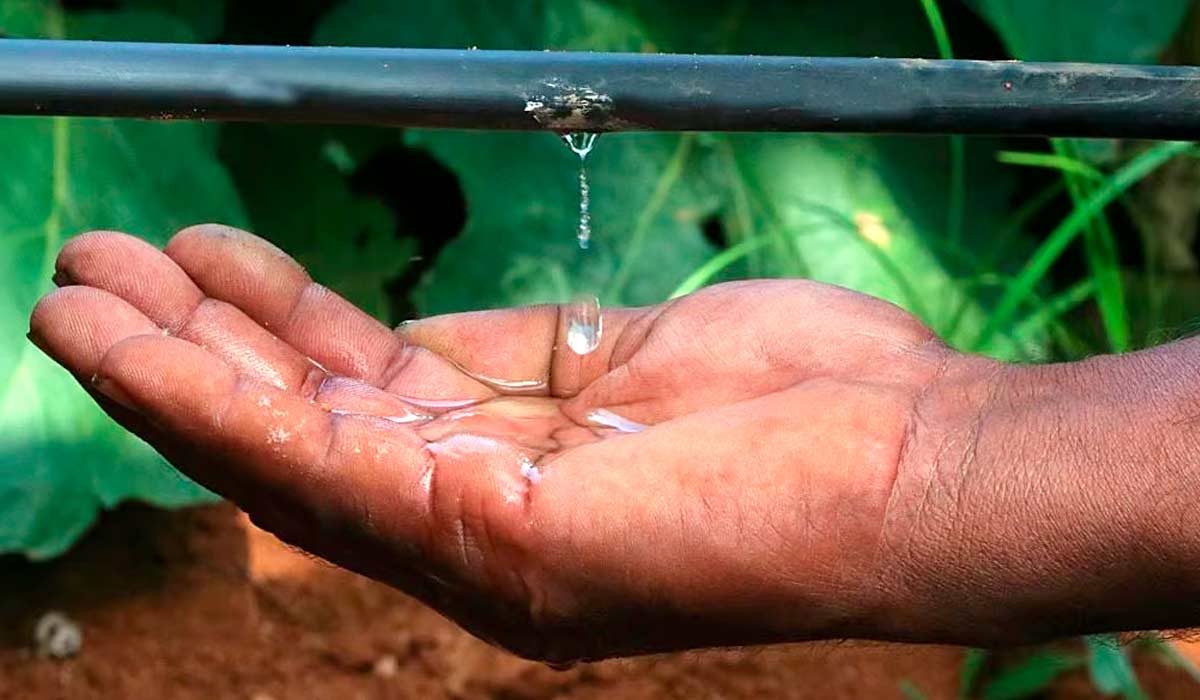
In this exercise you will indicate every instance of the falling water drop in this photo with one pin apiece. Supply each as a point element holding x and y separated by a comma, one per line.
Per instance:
<point>585,215</point>
<point>584,324</point>
<point>581,144</point>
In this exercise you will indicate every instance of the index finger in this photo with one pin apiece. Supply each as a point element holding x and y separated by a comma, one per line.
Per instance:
<point>521,350</point>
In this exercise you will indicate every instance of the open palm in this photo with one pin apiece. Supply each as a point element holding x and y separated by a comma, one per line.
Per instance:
<point>716,472</point>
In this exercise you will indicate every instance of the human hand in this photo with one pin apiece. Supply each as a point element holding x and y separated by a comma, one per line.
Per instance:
<point>726,468</point>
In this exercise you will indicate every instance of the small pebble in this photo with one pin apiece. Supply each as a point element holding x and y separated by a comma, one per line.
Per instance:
<point>386,666</point>
<point>56,636</point>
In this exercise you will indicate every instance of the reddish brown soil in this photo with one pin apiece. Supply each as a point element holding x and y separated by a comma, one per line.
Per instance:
<point>197,604</point>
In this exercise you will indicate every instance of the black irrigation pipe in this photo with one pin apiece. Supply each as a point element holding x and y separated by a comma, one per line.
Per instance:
<point>564,91</point>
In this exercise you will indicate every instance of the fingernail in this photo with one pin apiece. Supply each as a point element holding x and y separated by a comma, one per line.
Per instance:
<point>406,327</point>
<point>62,278</point>
<point>112,391</point>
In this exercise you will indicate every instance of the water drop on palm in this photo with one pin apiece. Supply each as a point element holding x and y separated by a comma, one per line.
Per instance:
<point>584,324</point>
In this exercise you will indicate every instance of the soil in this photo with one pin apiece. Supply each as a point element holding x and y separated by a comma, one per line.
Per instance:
<point>200,604</point>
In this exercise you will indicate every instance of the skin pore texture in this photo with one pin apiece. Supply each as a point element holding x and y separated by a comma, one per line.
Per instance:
<point>758,462</point>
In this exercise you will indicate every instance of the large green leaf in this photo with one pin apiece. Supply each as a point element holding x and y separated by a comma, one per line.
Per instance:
<point>23,18</point>
<point>1115,31</point>
<point>519,244</point>
<point>203,17</point>
<point>1029,678</point>
<point>521,188</point>
<point>294,182</point>
<point>841,212</point>
<point>145,20</point>
<point>61,459</point>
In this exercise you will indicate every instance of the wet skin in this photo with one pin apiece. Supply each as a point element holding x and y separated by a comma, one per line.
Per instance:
<point>757,462</point>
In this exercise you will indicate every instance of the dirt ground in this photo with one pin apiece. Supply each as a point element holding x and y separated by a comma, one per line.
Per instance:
<point>199,604</point>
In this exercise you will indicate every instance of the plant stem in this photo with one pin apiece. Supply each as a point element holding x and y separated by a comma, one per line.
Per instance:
<point>701,275</point>
<point>1101,250</point>
<point>1054,161</point>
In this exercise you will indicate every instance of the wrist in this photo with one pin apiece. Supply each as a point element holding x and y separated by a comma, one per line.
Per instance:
<point>1035,502</point>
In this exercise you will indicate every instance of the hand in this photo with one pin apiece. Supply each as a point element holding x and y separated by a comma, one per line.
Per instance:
<point>716,472</point>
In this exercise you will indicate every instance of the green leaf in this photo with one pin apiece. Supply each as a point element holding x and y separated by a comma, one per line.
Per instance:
<point>25,18</point>
<point>1113,31</point>
<point>519,244</point>
<point>142,20</point>
<point>840,211</point>
<point>1110,670</point>
<point>972,667</point>
<point>298,196</point>
<point>1029,677</point>
<point>129,25</point>
<point>582,25</point>
<point>61,459</point>
<point>204,17</point>
<point>521,189</point>
<point>1053,161</point>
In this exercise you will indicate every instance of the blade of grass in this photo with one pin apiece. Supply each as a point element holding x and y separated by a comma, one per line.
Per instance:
<point>1079,178</point>
<point>1100,248</point>
<point>1062,236</point>
<point>1054,161</point>
<point>1049,311</point>
<point>968,676</point>
<point>1001,243</point>
<point>701,275</point>
<point>958,145</point>
<point>1109,668</point>
<point>1028,678</point>
<point>1045,313</point>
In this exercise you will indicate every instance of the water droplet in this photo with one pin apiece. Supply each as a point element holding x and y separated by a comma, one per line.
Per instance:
<point>530,471</point>
<point>505,386</point>
<point>584,324</point>
<point>406,417</point>
<point>439,404</point>
<point>607,419</point>
<point>581,144</point>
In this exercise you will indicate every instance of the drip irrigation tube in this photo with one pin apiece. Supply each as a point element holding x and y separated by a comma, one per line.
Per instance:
<point>567,91</point>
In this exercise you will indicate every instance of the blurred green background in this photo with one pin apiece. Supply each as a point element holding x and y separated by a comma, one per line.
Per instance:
<point>1030,250</point>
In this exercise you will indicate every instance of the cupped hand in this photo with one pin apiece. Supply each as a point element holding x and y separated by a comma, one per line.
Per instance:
<point>718,471</point>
